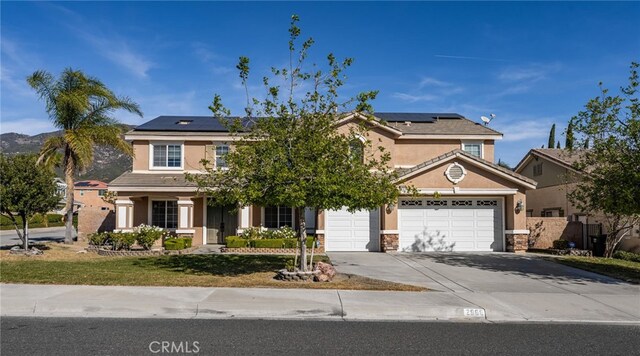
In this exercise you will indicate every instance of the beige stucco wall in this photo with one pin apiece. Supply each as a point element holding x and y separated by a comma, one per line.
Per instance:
<point>90,198</point>
<point>413,152</point>
<point>476,178</point>
<point>552,174</point>
<point>194,152</point>
<point>489,150</point>
<point>140,155</point>
<point>549,198</point>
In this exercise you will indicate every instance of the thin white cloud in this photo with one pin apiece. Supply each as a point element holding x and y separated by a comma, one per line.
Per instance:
<point>106,42</point>
<point>527,129</point>
<point>529,73</point>
<point>415,98</point>
<point>432,81</point>
<point>470,58</point>
<point>119,52</point>
<point>512,90</point>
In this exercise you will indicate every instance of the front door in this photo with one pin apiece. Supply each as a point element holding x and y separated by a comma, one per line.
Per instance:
<point>221,222</point>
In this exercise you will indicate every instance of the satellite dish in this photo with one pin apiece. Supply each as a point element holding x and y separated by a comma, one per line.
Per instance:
<point>487,120</point>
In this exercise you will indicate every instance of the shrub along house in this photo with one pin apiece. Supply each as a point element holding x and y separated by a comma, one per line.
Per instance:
<point>466,202</point>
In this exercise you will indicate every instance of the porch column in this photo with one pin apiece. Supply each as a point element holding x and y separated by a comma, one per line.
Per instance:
<point>516,232</point>
<point>244,219</point>
<point>185,217</point>
<point>124,215</point>
<point>389,234</point>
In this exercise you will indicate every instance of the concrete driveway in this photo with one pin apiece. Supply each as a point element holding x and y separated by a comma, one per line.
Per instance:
<point>504,283</point>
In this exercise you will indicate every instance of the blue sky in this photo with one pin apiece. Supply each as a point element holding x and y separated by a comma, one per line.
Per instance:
<point>532,64</point>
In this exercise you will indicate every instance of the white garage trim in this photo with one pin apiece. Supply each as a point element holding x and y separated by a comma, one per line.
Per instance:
<point>358,231</point>
<point>499,230</point>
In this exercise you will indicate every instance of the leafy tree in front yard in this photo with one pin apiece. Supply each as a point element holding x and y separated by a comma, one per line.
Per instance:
<point>288,151</point>
<point>81,106</point>
<point>611,183</point>
<point>25,190</point>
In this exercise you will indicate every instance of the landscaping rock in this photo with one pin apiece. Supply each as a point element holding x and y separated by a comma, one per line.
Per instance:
<point>326,272</point>
<point>34,251</point>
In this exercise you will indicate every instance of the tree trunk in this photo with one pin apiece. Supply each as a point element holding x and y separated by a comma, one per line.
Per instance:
<point>302,236</point>
<point>26,234</point>
<point>69,170</point>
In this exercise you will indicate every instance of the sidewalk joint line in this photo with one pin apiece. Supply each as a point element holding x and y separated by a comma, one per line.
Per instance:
<point>341,306</point>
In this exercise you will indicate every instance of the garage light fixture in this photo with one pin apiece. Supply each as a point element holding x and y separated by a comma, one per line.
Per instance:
<point>519,206</point>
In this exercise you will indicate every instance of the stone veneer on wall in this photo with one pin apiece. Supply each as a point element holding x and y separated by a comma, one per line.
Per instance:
<point>389,242</point>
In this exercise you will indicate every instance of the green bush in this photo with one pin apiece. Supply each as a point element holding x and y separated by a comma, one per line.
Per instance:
<point>236,241</point>
<point>188,242</point>
<point>251,233</point>
<point>627,256</point>
<point>122,240</point>
<point>561,244</point>
<point>147,235</point>
<point>54,218</point>
<point>292,243</point>
<point>174,244</point>
<point>99,238</point>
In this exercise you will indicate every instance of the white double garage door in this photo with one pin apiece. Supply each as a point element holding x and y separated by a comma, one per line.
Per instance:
<point>423,225</point>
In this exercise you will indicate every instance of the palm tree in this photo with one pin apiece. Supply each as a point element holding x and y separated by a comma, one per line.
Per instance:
<point>81,106</point>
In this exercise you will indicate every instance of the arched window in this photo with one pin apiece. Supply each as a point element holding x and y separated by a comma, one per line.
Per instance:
<point>356,149</point>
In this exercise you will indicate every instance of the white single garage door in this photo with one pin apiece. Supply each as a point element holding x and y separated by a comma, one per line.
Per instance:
<point>450,224</point>
<point>345,231</point>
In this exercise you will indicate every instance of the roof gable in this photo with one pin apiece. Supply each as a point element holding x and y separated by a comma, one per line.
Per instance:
<point>405,174</point>
<point>560,157</point>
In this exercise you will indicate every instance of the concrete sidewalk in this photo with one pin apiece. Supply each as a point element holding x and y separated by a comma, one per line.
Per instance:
<point>225,303</point>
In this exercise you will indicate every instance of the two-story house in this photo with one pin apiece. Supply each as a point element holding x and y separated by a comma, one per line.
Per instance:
<point>466,202</point>
<point>553,169</point>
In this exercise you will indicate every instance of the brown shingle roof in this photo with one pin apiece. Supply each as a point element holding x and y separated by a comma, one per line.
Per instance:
<point>560,156</point>
<point>128,179</point>
<point>448,126</point>
<point>407,171</point>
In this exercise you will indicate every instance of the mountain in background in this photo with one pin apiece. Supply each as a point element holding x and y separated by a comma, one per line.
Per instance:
<point>108,163</point>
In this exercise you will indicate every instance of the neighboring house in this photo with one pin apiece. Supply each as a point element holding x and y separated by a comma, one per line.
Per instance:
<point>89,193</point>
<point>553,169</point>
<point>61,190</point>
<point>466,202</point>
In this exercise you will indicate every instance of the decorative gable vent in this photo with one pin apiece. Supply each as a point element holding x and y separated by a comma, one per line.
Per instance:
<point>455,173</point>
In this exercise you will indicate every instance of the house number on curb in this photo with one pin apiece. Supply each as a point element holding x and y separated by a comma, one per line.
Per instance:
<point>474,312</point>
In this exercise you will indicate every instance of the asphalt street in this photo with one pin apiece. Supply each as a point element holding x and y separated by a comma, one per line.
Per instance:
<point>86,336</point>
<point>10,237</point>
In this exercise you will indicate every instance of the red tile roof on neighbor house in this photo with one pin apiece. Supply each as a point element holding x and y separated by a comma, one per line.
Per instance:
<point>91,184</point>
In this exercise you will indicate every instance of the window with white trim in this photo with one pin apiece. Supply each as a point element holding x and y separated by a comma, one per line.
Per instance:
<point>221,152</point>
<point>473,148</point>
<point>164,214</point>
<point>167,156</point>
<point>277,217</point>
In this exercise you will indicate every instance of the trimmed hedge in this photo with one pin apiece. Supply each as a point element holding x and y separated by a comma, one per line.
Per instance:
<point>236,241</point>
<point>179,243</point>
<point>561,244</point>
<point>627,256</point>
<point>239,242</point>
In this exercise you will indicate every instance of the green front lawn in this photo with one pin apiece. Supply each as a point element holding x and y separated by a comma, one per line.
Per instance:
<point>61,265</point>
<point>626,270</point>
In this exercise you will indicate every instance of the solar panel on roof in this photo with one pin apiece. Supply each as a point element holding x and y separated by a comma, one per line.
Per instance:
<point>186,123</point>
<point>415,117</point>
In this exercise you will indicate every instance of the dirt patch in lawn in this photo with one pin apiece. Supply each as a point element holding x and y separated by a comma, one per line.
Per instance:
<point>61,264</point>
